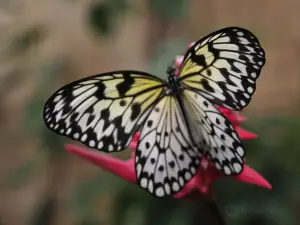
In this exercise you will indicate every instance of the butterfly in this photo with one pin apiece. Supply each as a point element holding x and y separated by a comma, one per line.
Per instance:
<point>176,117</point>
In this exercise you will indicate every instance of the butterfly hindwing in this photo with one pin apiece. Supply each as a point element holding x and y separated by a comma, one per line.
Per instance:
<point>224,66</point>
<point>103,111</point>
<point>215,134</point>
<point>165,157</point>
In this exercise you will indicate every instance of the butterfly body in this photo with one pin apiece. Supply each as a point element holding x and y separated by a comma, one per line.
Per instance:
<point>177,119</point>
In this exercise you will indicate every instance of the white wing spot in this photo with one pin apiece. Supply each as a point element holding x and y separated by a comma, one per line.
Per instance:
<point>240,151</point>
<point>138,169</point>
<point>92,143</point>
<point>240,33</point>
<point>57,98</point>
<point>159,192</point>
<point>227,170</point>
<point>100,145</point>
<point>250,90</point>
<point>167,188</point>
<point>84,137</point>
<point>246,95</point>
<point>62,131</point>
<point>175,186</point>
<point>187,175</point>
<point>237,167</point>
<point>234,136</point>
<point>51,125</point>
<point>110,148</point>
<point>193,170</point>
<point>150,186</point>
<point>181,181</point>
<point>253,74</point>
<point>218,166</point>
<point>69,131</point>
<point>76,135</point>
<point>243,103</point>
<point>56,126</point>
<point>144,182</point>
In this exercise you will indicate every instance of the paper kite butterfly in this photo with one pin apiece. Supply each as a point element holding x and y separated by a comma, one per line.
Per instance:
<point>176,117</point>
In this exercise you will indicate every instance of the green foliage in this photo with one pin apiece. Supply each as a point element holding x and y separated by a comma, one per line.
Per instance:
<point>103,16</point>
<point>27,39</point>
<point>169,9</point>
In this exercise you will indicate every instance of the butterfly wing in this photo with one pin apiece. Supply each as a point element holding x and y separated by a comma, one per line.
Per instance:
<point>103,111</point>
<point>214,133</point>
<point>224,66</point>
<point>165,158</point>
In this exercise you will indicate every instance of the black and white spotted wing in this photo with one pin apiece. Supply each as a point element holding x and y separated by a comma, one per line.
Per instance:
<point>223,67</point>
<point>103,111</point>
<point>214,134</point>
<point>165,157</point>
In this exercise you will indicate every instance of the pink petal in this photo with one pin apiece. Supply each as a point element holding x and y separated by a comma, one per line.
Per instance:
<point>245,134</point>
<point>241,119</point>
<point>178,60</point>
<point>191,44</point>
<point>135,140</point>
<point>249,175</point>
<point>188,188</point>
<point>133,144</point>
<point>120,168</point>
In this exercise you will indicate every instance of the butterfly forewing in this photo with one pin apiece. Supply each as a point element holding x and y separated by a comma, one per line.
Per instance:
<point>215,135</point>
<point>165,157</point>
<point>224,66</point>
<point>105,110</point>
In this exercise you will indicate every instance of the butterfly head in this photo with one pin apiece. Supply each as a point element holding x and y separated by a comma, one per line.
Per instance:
<point>172,80</point>
<point>170,71</point>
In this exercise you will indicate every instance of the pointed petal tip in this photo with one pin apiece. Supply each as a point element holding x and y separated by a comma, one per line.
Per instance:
<point>74,148</point>
<point>133,145</point>
<point>118,167</point>
<point>241,119</point>
<point>244,134</point>
<point>249,175</point>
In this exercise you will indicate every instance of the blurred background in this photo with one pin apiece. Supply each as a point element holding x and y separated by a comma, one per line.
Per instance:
<point>46,44</point>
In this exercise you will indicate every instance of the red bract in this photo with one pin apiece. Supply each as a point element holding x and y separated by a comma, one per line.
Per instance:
<point>200,183</point>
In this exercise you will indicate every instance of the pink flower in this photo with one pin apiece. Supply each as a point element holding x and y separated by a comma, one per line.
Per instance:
<point>200,183</point>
